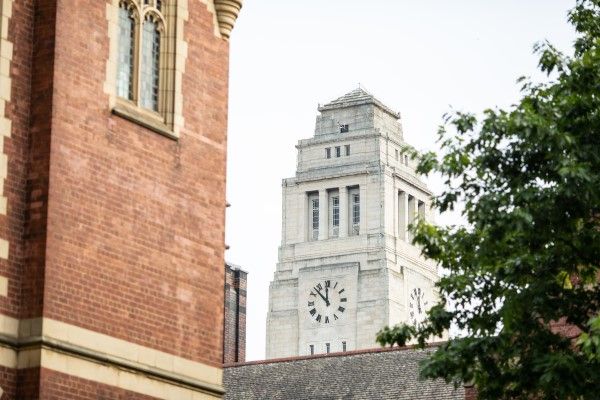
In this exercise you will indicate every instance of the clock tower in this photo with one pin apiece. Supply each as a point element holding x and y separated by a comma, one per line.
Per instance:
<point>346,263</point>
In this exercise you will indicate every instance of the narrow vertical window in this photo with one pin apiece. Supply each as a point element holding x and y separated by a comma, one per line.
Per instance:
<point>421,210</point>
<point>343,346</point>
<point>338,151</point>
<point>347,148</point>
<point>328,152</point>
<point>355,213</point>
<point>315,218</point>
<point>335,215</point>
<point>126,53</point>
<point>405,159</point>
<point>411,214</point>
<point>402,215</point>
<point>327,347</point>
<point>397,154</point>
<point>312,349</point>
<point>150,66</point>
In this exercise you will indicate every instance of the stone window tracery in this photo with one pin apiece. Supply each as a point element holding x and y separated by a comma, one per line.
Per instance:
<point>146,62</point>
<point>315,217</point>
<point>335,214</point>
<point>150,65</point>
<point>151,95</point>
<point>141,28</point>
<point>126,52</point>
<point>355,212</point>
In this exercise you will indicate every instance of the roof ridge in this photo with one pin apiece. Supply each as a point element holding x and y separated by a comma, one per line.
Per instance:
<point>373,350</point>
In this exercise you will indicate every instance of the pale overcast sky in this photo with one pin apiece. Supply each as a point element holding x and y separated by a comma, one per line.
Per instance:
<point>419,57</point>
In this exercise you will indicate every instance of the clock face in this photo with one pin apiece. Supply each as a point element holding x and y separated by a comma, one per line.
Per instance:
<point>327,302</point>
<point>417,305</point>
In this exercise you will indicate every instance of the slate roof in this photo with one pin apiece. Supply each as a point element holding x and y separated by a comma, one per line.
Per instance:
<point>390,374</point>
<point>357,97</point>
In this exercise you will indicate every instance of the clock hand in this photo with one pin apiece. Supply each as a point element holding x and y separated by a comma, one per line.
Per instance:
<point>323,297</point>
<point>327,295</point>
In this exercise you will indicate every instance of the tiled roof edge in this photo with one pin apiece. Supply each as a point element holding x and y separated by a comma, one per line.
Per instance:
<point>337,354</point>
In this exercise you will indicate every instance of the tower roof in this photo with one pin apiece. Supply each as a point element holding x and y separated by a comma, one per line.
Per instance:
<point>357,97</point>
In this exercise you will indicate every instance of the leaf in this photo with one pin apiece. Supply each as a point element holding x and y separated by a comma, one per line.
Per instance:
<point>522,275</point>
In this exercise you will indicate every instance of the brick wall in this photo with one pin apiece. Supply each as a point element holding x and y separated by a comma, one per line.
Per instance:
<point>135,221</point>
<point>62,386</point>
<point>8,377</point>
<point>112,227</point>
<point>16,148</point>
<point>234,330</point>
<point>470,393</point>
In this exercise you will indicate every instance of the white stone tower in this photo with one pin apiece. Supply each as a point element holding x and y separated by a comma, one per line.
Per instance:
<point>346,266</point>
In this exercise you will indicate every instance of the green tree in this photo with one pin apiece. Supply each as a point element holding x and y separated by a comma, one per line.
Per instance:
<point>529,254</point>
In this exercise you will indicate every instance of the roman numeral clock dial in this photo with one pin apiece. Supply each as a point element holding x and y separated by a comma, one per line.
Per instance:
<point>417,306</point>
<point>327,302</point>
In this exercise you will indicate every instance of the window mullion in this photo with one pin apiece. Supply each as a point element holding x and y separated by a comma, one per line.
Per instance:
<point>138,58</point>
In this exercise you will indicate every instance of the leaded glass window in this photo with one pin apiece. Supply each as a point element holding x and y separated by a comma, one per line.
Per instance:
<point>315,218</point>
<point>355,213</point>
<point>356,209</point>
<point>126,53</point>
<point>335,215</point>
<point>150,66</point>
<point>336,210</point>
<point>141,27</point>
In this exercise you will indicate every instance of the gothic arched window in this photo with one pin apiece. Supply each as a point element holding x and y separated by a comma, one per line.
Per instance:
<point>150,65</point>
<point>126,51</point>
<point>140,75</point>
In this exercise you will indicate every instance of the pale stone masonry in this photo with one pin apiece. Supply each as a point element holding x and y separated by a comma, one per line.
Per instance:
<point>346,265</point>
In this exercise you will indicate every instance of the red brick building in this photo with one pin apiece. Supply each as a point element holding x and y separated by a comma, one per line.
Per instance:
<point>112,197</point>
<point>234,330</point>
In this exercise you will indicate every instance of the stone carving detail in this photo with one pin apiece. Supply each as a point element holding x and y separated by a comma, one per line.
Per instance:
<point>227,13</point>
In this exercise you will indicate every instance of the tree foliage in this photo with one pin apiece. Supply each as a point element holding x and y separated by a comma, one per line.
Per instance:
<point>529,255</point>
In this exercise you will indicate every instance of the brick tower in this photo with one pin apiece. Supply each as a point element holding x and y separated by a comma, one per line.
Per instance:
<point>112,197</point>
